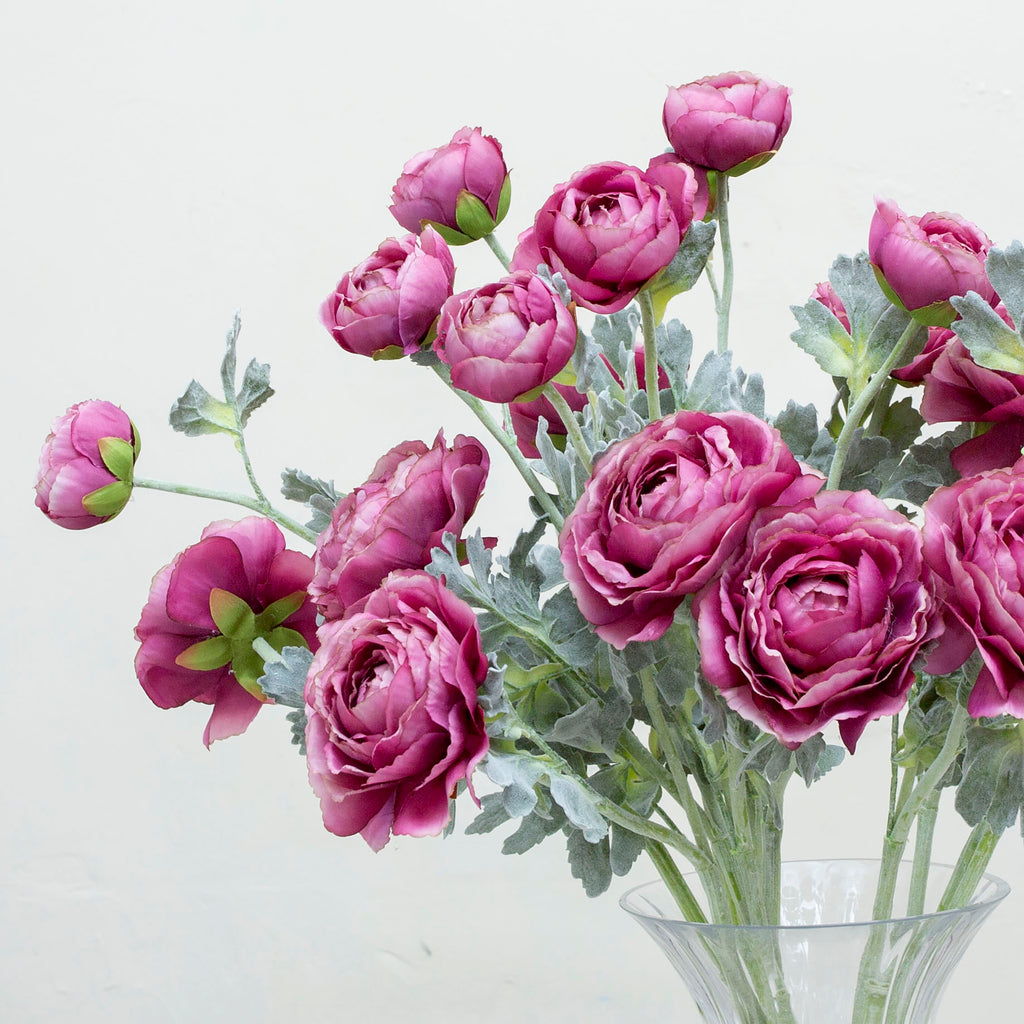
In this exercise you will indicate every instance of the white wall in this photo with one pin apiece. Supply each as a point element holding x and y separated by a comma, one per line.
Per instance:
<point>168,164</point>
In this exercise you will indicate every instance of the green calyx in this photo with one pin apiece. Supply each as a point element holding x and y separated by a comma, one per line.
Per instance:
<point>119,458</point>
<point>107,501</point>
<point>751,163</point>
<point>239,626</point>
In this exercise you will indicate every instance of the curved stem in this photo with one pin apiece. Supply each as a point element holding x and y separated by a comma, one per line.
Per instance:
<point>650,355</point>
<point>865,399</point>
<point>263,507</point>
<point>496,247</point>
<point>676,884</point>
<point>572,426</point>
<point>725,299</point>
<point>518,460</point>
<point>970,866</point>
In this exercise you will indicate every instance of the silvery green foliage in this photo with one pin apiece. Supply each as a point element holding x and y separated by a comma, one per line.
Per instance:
<point>319,496</point>
<point>688,263</point>
<point>990,342</point>
<point>992,788</point>
<point>284,676</point>
<point>875,324</point>
<point>198,412</point>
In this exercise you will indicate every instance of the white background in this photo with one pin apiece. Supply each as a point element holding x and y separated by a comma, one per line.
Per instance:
<point>167,164</point>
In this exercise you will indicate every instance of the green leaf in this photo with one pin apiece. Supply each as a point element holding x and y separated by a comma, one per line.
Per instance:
<point>274,614</point>
<point>518,775</point>
<point>675,351</point>
<point>198,412</point>
<point>284,673</point>
<point>533,829</point>
<point>686,267</point>
<point>992,788</point>
<point>589,862</point>
<point>815,758</point>
<point>118,456</point>
<point>492,815</point>
<point>504,200</point>
<point>472,215</point>
<point>228,364</point>
<point>625,848</point>
<point>823,337</point>
<point>798,425</point>
<point>594,727</point>
<point>990,341</point>
<point>255,390</point>
<point>297,719</point>
<point>1005,271</point>
<point>108,500</point>
<point>579,807</point>
<point>232,616</point>
<point>318,495</point>
<point>205,655</point>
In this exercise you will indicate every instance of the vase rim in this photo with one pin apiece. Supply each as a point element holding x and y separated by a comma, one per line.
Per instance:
<point>998,890</point>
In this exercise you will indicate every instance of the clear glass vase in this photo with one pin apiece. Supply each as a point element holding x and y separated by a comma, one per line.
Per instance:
<point>826,962</point>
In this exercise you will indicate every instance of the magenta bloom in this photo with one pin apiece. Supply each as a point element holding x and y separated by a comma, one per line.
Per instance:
<point>728,122</point>
<point>387,305</point>
<point>393,724</point>
<point>923,262</point>
<point>607,231</point>
<point>972,539</point>
<point>526,255</point>
<point>414,496</point>
<point>819,617</point>
<point>664,509</point>
<point>461,189</point>
<point>205,609</point>
<point>505,339</point>
<point>86,465</point>
<point>915,371</point>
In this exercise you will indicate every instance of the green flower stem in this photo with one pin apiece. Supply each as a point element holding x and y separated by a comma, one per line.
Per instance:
<point>865,400</point>
<point>496,247</point>
<point>923,853</point>
<point>709,273</point>
<point>870,1000</point>
<point>724,303</point>
<point>518,460</point>
<point>881,406</point>
<point>970,866</point>
<point>650,355</point>
<point>263,507</point>
<point>665,736</point>
<point>572,426</point>
<point>677,885</point>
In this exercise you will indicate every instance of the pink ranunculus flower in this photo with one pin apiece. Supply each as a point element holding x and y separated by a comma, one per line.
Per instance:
<point>918,367</point>
<point>957,389</point>
<point>393,722</point>
<point>387,305</point>
<point>729,122</point>
<point>607,231</point>
<point>86,465</point>
<point>972,540</point>
<point>526,255</point>
<point>413,497</point>
<point>461,189</point>
<point>196,630</point>
<point>664,509</point>
<point>506,339</point>
<point>819,617</point>
<point>525,419</point>
<point>923,262</point>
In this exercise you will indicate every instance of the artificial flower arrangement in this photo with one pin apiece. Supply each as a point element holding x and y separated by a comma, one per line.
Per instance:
<point>702,588</point>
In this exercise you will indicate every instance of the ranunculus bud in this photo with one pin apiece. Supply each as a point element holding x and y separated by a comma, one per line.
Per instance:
<point>86,465</point>
<point>414,496</point>
<point>731,122</point>
<point>607,231</point>
<point>205,609</point>
<point>385,307</point>
<point>818,617</point>
<point>826,295</point>
<point>393,722</point>
<point>505,339</point>
<point>462,189</point>
<point>923,262</point>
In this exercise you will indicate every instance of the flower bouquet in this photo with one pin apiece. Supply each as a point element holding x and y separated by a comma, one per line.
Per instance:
<point>703,595</point>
